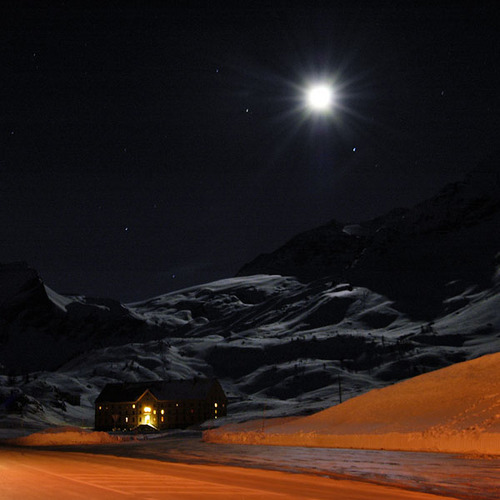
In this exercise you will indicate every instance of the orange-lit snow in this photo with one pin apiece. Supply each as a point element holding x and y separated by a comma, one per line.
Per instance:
<point>455,409</point>
<point>42,475</point>
<point>64,436</point>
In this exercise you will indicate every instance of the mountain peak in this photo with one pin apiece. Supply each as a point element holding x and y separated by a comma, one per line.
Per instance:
<point>407,254</point>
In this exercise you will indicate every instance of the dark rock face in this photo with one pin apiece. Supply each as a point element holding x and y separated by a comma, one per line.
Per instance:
<point>21,290</point>
<point>327,250</point>
<point>36,333</point>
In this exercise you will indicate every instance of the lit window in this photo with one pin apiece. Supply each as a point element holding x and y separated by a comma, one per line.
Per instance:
<point>162,412</point>
<point>215,416</point>
<point>133,406</point>
<point>216,412</point>
<point>100,407</point>
<point>126,419</point>
<point>162,419</point>
<point>147,409</point>
<point>215,405</point>
<point>154,411</point>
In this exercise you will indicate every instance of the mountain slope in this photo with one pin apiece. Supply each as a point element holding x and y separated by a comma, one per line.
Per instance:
<point>40,329</point>
<point>418,257</point>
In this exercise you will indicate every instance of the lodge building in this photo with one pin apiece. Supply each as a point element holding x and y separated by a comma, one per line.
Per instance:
<point>159,405</point>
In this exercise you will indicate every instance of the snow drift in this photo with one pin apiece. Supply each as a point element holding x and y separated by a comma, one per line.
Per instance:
<point>60,436</point>
<point>455,409</point>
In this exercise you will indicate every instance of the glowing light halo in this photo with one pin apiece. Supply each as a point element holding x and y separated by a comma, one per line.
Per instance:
<point>319,97</point>
<point>297,111</point>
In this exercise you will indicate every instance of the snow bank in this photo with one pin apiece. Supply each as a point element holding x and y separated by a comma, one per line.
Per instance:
<point>65,436</point>
<point>455,409</point>
<point>476,444</point>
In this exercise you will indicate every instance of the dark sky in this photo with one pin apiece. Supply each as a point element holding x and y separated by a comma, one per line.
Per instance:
<point>145,147</point>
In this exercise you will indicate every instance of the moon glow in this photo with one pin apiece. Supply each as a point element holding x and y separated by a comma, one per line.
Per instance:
<point>319,98</point>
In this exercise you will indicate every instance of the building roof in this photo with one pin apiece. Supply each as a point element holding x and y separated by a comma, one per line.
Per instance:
<point>163,390</point>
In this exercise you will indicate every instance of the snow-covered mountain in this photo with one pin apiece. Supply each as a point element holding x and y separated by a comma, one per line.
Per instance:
<point>420,258</point>
<point>40,329</point>
<point>279,347</point>
<point>369,304</point>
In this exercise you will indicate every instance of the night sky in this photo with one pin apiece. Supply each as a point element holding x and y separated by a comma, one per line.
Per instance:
<point>145,148</point>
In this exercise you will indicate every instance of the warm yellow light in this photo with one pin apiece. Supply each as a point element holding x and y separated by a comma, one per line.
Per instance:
<point>133,406</point>
<point>100,407</point>
<point>126,419</point>
<point>147,409</point>
<point>215,405</point>
<point>162,412</point>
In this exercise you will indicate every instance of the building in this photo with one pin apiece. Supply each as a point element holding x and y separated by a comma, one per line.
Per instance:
<point>159,404</point>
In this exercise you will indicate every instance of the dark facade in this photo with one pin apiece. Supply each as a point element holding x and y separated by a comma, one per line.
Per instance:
<point>159,404</point>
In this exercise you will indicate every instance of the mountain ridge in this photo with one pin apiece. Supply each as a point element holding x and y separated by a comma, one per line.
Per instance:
<point>451,237</point>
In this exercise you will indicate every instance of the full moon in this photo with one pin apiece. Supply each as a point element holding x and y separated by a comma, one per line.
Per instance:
<point>319,97</point>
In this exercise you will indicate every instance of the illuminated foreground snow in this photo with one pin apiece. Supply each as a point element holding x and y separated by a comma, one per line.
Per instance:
<point>456,476</point>
<point>455,409</point>
<point>66,436</point>
<point>43,475</point>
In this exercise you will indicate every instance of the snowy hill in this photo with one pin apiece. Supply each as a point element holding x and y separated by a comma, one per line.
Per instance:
<point>454,409</point>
